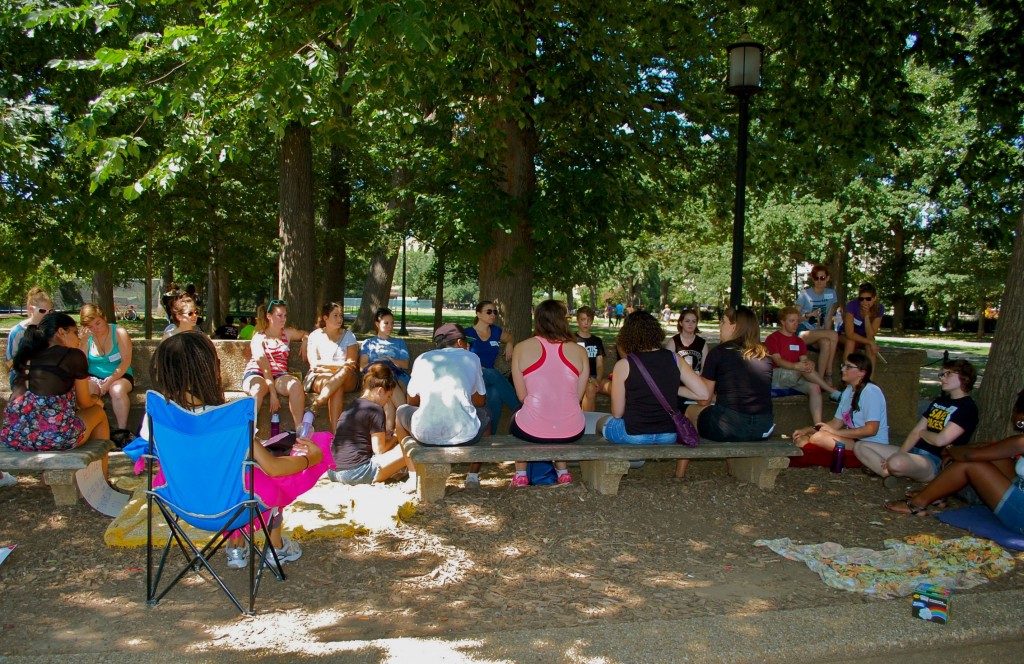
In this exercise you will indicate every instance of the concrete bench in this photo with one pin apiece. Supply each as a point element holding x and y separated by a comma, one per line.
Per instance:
<point>59,468</point>
<point>602,463</point>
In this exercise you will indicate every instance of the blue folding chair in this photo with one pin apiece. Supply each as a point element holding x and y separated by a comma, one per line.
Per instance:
<point>205,459</point>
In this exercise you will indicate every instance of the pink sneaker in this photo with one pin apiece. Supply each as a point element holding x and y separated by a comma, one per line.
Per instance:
<point>565,478</point>
<point>519,481</point>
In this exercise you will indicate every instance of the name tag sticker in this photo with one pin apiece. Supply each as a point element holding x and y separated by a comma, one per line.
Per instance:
<point>794,347</point>
<point>494,343</point>
<point>116,357</point>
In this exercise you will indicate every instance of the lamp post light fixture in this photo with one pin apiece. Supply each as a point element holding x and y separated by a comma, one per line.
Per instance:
<point>744,82</point>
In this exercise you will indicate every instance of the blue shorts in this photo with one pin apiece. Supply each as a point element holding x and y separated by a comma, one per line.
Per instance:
<point>615,432</point>
<point>725,424</point>
<point>935,461</point>
<point>1010,510</point>
<point>362,474</point>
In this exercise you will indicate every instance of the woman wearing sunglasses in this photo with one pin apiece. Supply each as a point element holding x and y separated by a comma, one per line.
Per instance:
<point>485,339</point>
<point>184,316</point>
<point>267,370</point>
<point>860,417</point>
<point>37,303</point>
<point>948,421</point>
<point>817,306</point>
<point>862,318</point>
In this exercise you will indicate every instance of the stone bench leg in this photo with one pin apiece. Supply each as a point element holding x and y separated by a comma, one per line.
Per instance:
<point>62,484</point>
<point>432,478</point>
<point>761,471</point>
<point>604,476</point>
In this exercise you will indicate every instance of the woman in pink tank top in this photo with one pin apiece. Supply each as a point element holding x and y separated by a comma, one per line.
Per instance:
<point>550,373</point>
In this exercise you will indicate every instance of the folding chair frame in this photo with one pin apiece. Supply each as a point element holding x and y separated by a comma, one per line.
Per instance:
<point>197,559</point>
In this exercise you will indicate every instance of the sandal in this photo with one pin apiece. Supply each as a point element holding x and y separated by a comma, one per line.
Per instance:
<point>906,507</point>
<point>939,504</point>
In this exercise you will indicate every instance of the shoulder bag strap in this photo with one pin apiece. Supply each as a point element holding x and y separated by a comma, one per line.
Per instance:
<point>650,383</point>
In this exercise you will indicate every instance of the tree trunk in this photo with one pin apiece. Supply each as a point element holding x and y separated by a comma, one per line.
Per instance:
<point>166,278</point>
<point>148,301</point>
<point>506,268</point>
<point>592,288</point>
<point>1005,365</point>
<point>570,301</point>
<point>339,214</point>
<point>439,260</point>
<point>381,275</point>
<point>103,292</point>
<point>296,227</point>
<point>899,272</point>
<point>213,315</point>
<point>663,299</point>
<point>979,333</point>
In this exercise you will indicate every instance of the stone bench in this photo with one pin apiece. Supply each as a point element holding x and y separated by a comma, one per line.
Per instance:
<point>602,463</point>
<point>59,468</point>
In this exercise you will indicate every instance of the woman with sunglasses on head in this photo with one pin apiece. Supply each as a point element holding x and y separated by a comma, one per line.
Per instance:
<point>485,339</point>
<point>948,421</point>
<point>37,304</point>
<point>333,356</point>
<point>994,470</point>
<point>51,406</point>
<point>184,316</point>
<point>817,306</point>
<point>738,372</point>
<point>862,319</point>
<point>860,417</point>
<point>267,369</point>
<point>109,349</point>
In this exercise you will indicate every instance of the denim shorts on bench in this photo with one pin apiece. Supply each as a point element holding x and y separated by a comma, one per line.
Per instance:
<point>615,432</point>
<point>361,474</point>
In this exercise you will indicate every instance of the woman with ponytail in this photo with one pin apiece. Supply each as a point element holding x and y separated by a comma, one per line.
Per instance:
<point>51,407</point>
<point>860,416</point>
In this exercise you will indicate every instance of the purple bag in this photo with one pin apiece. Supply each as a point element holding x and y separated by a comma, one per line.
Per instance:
<point>686,434</point>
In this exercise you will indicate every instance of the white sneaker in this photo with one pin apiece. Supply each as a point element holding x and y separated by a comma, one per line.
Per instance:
<point>8,480</point>
<point>238,557</point>
<point>289,552</point>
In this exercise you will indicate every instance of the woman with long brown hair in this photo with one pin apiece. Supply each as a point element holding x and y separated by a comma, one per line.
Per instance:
<point>267,370</point>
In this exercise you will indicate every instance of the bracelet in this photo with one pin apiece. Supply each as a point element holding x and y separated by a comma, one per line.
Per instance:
<point>307,461</point>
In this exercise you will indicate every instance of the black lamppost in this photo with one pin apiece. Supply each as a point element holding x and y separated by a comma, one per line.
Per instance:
<point>744,82</point>
<point>403,331</point>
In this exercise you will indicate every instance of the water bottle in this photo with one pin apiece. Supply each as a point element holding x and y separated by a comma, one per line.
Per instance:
<point>837,457</point>
<point>306,430</point>
<point>275,425</point>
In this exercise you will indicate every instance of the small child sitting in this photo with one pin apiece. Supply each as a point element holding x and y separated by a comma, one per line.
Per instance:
<point>792,368</point>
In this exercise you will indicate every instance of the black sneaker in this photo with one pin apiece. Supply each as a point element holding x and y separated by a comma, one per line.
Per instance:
<point>121,437</point>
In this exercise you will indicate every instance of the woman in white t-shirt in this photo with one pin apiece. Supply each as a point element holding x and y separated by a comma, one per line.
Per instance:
<point>860,416</point>
<point>333,356</point>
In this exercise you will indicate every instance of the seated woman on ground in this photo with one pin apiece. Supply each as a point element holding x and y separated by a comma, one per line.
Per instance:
<point>363,450</point>
<point>993,470</point>
<point>948,421</point>
<point>862,319</point>
<point>550,372</point>
<point>51,407</point>
<point>267,369</point>
<point>186,370</point>
<point>793,370</point>
<point>184,316</point>
<point>383,349</point>
<point>738,372</point>
<point>333,355</point>
<point>637,416</point>
<point>109,350</point>
<point>860,417</point>
<point>817,305</point>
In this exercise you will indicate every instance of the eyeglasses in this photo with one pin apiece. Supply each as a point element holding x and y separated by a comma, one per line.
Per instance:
<point>943,374</point>
<point>866,299</point>
<point>489,311</point>
<point>848,366</point>
<point>821,277</point>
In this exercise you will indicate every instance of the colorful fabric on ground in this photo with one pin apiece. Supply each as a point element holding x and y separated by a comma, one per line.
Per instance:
<point>959,563</point>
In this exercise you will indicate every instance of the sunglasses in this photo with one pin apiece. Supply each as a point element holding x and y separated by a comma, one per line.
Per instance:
<point>189,313</point>
<point>866,299</point>
<point>274,303</point>
<point>821,277</point>
<point>42,311</point>
<point>489,311</point>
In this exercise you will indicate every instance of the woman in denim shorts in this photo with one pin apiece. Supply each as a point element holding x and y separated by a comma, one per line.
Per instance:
<point>990,468</point>
<point>637,417</point>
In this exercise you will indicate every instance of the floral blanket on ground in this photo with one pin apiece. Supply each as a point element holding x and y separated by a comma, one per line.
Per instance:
<point>964,562</point>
